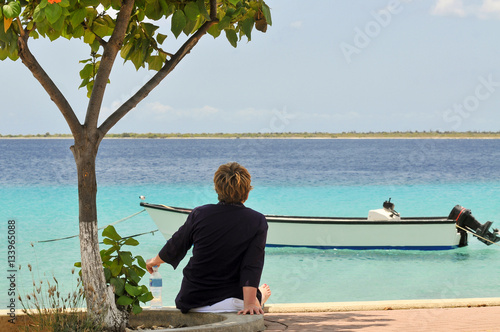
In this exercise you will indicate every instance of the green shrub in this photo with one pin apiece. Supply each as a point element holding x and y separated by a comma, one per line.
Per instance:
<point>123,271</point>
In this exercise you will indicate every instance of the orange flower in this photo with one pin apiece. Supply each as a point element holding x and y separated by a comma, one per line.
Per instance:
<point>54,1</point>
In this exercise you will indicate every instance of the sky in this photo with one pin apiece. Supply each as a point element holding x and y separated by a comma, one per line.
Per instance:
<point>323,66</point>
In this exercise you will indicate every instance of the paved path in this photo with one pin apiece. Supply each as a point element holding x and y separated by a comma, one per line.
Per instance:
<point>476,319</point>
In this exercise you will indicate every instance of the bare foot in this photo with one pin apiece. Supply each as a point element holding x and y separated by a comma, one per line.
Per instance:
<point>266,293</point>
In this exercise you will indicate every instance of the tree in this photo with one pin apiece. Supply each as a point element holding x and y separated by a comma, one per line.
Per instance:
<point>109,27</point>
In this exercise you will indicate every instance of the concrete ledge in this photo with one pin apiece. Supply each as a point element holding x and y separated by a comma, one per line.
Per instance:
<point>380,305</point>
<point>168,316</point>
<point>203,322</point>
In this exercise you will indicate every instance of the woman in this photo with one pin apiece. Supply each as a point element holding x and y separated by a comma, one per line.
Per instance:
<point>228,241</point>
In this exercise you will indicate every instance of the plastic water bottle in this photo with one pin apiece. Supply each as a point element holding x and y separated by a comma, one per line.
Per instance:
<point>155,285</point>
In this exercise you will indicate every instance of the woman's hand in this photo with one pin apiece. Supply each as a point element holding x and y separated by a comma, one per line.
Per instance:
<point>156,261</point>
<point>251,305</point>
<point>252,309</point>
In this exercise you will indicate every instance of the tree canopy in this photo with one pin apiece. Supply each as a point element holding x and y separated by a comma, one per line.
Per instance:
<point>93,22</point>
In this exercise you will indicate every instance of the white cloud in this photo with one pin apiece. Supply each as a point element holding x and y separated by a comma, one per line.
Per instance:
<point>483,9</point>
<point>449,7</point>
<point>296,24</point>
<point>164,112</point>
<point>490,9</point>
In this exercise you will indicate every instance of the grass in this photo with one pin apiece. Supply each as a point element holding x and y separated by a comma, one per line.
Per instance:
<point>47,309</point>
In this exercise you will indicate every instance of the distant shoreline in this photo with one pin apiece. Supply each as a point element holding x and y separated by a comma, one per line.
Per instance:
<point>344,135</point>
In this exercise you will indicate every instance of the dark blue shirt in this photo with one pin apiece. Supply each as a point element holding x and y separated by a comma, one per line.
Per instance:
<point>228,253</point>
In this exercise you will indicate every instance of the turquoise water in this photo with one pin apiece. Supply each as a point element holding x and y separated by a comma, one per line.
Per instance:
<point>295,275</point>
<point>47,210</point>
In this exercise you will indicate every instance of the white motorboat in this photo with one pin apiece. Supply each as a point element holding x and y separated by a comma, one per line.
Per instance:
<point>382,229</point>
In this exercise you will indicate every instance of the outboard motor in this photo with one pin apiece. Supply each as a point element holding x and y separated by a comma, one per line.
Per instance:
<point>466,220</point>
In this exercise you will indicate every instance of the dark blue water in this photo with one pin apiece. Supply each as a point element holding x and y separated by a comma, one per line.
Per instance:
<point>276,162</point>
<point>298,177</point>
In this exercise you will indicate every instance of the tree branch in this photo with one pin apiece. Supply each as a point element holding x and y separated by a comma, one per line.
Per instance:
<point>101,41</point>
<point>111,49</point>
<point>53,91</point>
<point>156,79</point>
<point>213,10</point>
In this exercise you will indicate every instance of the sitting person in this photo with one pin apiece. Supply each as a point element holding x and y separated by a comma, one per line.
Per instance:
<point>228,241</point>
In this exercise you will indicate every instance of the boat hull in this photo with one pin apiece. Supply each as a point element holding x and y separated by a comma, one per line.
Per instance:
<point>437,233</point>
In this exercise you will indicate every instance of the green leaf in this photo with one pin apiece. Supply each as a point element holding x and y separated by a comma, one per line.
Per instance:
<point>232,37</point>
<point>78,32</point>
<point>126,50</point>
<point>100,27</point>
<point>153,10</point>
<point>133,290</point>
<point>95,45</point>
<point>192,11</point>
<point>214,30</point>
<point>64,3</point>
<point>91,15</point>
<point>53,34</point>
<point>43,3</point>
<point>247,26</point>
<point>267,14</point>
<point>78,264</point>
<point>131,242</point>
<point>140,272</point>
<point>88,72</point>
<point>124,300</point>
<point>225,22</point>
<point>59,24</point>
<point>106,3</point>
<point>34,34</point>
<point>107,252</point>
<point>89,3</point>
<point>84,83</point>
<point>141,261</point>
<point>178,22</point>
<point>119,284</point>
<point>42,27</point>
<point>107,274</point>
<point>189,28</point>
<point>105,240</point>
<point>136,309</point>
<point>116,4</point>
<point>126,257</point>
<point>111,232</point>
<point>53,12</point>
<point>203,9</point>
<point>11,9</point>
<point>160,38</point>
<point>115,267</point>
<point>146,297</point>
<point>38,14</point>
<point>106,259</point>
<point>138,54</point>
<point>78,16</point>
<point>149,28</point>
<point>90,87</point>
<point>132,275</point>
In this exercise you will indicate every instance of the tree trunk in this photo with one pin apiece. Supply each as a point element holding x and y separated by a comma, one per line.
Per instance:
<point>100,298</point>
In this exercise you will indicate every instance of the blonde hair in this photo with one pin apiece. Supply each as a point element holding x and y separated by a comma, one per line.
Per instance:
<point>232,183</point>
